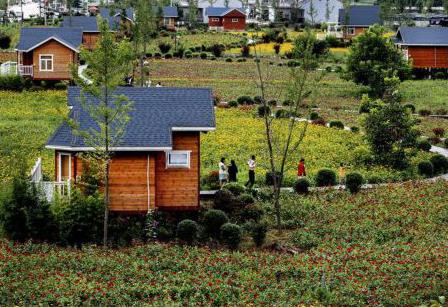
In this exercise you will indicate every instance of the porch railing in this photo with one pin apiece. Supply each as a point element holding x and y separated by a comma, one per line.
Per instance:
<point>26,70</point>
<point>49,188</point>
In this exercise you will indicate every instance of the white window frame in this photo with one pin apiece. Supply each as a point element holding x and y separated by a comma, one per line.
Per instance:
<point>180,152</point>
<point>351,31</point>
<point>234,19</point>
<point>46,61</point>
<point>215,19</point>
<point>60,165</point>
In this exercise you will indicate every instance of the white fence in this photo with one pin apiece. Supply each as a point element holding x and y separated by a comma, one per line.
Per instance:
<point>48,188</point>
<point>8,68</point>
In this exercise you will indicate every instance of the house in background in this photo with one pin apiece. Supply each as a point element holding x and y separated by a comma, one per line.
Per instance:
<point>157,164</point>
<point>226,19</point>
<point>170,16</point>
<point>427,47</point>
<point>48,53</point>
<point>359,19</point>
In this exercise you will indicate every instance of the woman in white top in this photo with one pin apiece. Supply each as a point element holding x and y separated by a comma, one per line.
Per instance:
<point>222,172</point>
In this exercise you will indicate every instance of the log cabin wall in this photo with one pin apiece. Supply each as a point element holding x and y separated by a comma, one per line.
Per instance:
<point>63,57</point>
<point>428,57</point>
<point>178,188</point>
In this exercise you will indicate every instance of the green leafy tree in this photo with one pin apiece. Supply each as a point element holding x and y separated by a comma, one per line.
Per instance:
<point>108,64</point>
<point>389,129</point>
<point>372,58</point>
<point>192,12</point>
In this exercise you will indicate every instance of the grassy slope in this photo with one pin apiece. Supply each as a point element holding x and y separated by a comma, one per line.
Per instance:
<point>384,247</point>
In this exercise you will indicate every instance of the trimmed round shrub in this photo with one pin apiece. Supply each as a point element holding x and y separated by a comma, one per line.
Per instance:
<point>188,54</point>
<point>439,132</point>
<point>203,55</point>
<point>246,199</point>
<point>5,41</point>
<point>353,182</point>
<point>213,220</point>
<point>325,177</point>
<point>164,47</point>
<point>187,230</point>
<point>258,233</point>
<point>234,188</point>
<point>251,212</point>
<point>211,180</point>
<point>258,99</point>
<point>354,129</point>
<point>410,107</point>
<point>281,113</point>
<point>229,60</point>
<point>425,169</point>
<point>314,116</point>
<point>302,186</point>
<point>424,112</point>
<point>305,240</point>
<point>224,200</point>
<point>424,145</point>
<point>245,100</point>
<point>263,111</point>
<point>231,235</point>
<point>269,178</point>
<point>168,56</point>
<point>440,164</point>
<point>336,124</point>
<point>233,104</point>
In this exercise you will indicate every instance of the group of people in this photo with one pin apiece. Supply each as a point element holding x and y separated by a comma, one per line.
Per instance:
<point>229,173</point>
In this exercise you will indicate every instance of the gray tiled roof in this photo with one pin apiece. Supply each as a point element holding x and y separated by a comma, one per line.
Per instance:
<point>114,20</point>
<point>30,37</point>
<point>366,15</point>
<point>170,11</point>
<point>432,36</point>
<point>219,11</point>
<point>156,110</point>
<point>86,23</point>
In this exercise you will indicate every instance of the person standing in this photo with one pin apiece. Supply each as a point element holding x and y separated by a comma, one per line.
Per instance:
<point>233,171</point>
<point>251,164</point>
<point>301,170</point>
<point>222,172</point>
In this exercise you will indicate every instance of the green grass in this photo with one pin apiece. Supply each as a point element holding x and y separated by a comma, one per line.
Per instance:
<point>386,247</point>
<point>426,94</point>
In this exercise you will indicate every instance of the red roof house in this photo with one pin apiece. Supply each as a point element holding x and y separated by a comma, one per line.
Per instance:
<point>225,19</point>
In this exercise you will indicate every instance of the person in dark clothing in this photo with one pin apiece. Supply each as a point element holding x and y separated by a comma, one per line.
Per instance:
<point>251,164</point>
<point>233,171</point>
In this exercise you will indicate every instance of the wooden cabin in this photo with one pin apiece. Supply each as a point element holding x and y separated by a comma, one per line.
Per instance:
<point>48,53</point>
<point>90,33</point>
<point>225,19</point>
<point>426,47</point>
<point>170,16</point>
<point>358,19</point>
<point>157,162</point>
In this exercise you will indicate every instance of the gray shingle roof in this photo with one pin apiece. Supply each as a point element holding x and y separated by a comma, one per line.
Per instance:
<point>32,37</point>
<point>432,36</point>
<point>367,15</point>
<point>114,20</point>
<point>170,11</point>
<point>219,11</point>
<point>156,111</point>
<point>86,23</point>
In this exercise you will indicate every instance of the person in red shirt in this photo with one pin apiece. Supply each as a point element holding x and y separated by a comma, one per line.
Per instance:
<point>301,171</point>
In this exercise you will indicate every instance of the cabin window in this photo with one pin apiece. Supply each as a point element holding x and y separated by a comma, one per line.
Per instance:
<point>46,62</point>
<point>351,31</point>
<point>178,158</point>
<point>234,19</point>
<point>215,19</point>
<point>65,167</point>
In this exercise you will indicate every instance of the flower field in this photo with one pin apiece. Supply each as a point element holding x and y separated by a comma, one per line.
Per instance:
<point>382,248</point>
<point>240,134</point>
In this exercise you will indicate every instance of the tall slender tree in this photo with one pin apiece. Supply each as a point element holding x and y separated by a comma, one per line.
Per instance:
<point>284,136</point>
<point>108,64</point>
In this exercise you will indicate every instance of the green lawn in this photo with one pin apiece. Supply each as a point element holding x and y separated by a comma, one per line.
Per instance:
<point>382,248</point>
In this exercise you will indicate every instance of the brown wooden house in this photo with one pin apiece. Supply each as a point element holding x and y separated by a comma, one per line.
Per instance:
<point>426,47</point>
<point>225,19</point>
<point>170,16</point>
<point>47,53</point>
<point>358,19</point>
<point>157,163</point>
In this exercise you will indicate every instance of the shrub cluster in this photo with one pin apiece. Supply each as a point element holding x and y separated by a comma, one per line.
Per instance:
<point>325,177</point>
<point>353,182</point>
<point>11,83</point>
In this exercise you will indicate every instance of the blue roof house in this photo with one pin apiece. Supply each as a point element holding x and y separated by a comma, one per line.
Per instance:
<point>156,163</point>
<point>358,19</point>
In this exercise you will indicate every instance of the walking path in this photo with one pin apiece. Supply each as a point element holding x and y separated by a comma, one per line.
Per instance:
<point>81,69</point>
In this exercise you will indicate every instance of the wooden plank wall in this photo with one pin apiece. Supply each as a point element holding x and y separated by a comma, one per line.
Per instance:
<point>63,57</point>
<point>429,57</point>
<point>89,40</point>
<point>178,188</point>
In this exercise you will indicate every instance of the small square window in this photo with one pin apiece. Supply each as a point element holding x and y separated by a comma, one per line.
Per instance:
<point>351,31</point>
<point>46,62</point>
<point>178,158</point>
<point>215,19</point>
<point>234,19</point>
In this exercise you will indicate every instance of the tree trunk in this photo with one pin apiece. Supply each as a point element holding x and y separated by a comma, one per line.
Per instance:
<point>106,204</point>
